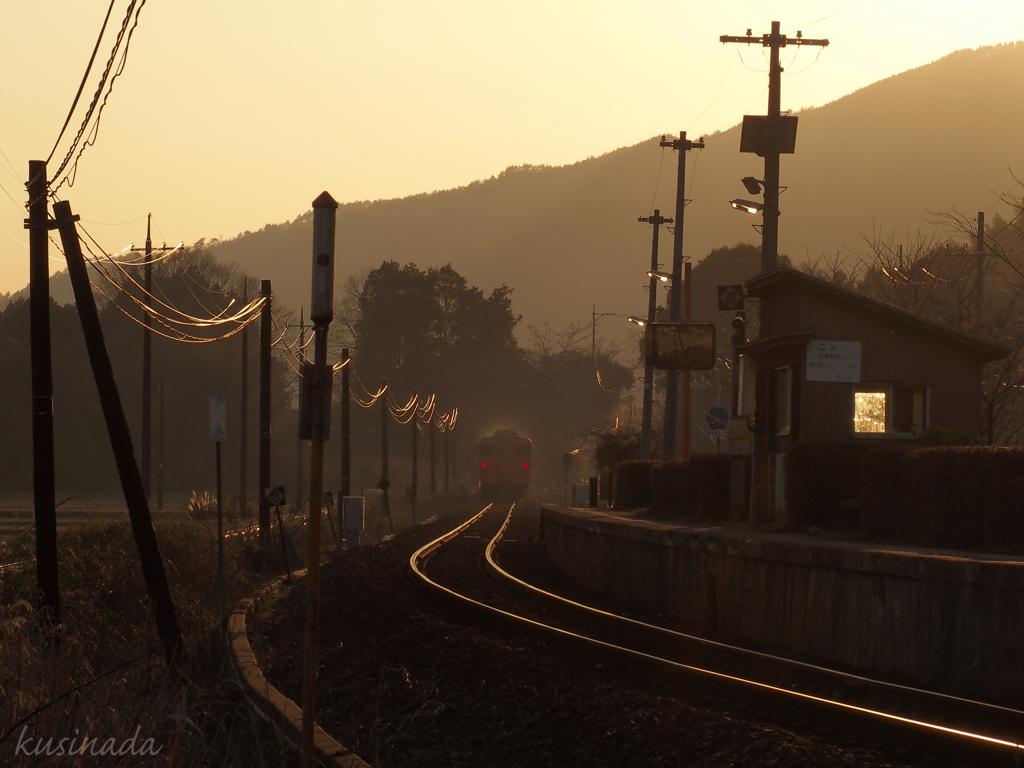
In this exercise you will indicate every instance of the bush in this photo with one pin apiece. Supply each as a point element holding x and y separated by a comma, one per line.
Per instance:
<point>668,480</point>
<point>633,485</point>
<point>940,436</point>
<point>958,498</point>
<point>697,489</point>
<point>819,476</point>
<point>881,492</point>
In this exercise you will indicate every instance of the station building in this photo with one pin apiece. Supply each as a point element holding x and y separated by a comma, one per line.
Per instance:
<point>831,364</point>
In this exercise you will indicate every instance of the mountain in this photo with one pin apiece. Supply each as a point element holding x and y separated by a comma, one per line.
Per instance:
<point>938,137</point>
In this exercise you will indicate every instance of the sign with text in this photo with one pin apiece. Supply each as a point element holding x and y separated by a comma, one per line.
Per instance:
<point>681,346</point>
<point>833,361</point>
<point>739,436</point>
<point>217,421</point>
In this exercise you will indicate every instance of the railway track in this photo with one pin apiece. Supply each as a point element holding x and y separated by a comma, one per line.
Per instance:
<point>934,723</point>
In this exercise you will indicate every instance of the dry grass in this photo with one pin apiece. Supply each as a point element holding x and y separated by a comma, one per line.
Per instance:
<point>103,676</point>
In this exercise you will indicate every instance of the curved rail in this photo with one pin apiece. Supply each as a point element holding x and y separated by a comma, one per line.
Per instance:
<point>977,739</point>
<point>524,586</point>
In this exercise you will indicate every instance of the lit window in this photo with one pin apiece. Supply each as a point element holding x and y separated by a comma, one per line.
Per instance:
<point>869,412</point>
<point>896,409</point>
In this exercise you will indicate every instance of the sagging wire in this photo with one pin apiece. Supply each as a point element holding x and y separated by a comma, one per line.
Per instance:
<point>243,315</point>
<point>69,178</point>
<point>373,398</point>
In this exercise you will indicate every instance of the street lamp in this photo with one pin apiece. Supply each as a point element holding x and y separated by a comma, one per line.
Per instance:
<point>746,206</point>
<point>662,276</point>
<point>753,185</point>
<point>638,320</point>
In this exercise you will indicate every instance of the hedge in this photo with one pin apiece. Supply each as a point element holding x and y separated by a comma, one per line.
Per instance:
<point>957,498</point>
<point>819,477</point>
<point>633,485</point>
<point>697,489</point>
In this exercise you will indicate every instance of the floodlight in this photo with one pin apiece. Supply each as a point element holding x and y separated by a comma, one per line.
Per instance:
<point>753,185</point>
<point>746,205</point>
<point>663,276</point>
<point>638,320</point>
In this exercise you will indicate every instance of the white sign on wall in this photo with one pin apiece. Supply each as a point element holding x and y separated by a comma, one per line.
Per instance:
<point>833,361</point>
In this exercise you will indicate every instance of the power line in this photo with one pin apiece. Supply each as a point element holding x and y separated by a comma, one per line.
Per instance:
<point>921,34</point>
<point>85,78</point>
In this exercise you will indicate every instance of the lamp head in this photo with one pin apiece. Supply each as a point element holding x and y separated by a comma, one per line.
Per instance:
<point>753,185</point>
<point>746,206</point>
<point>638,320</point>
<point>662,276</point>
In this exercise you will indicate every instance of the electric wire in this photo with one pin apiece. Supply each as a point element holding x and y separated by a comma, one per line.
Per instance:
<point>847,7</point>
<point>85,78</point>
<point>920,34</point>
<point>107,84</point>
<point>715,94</point>
<point>887,23</point>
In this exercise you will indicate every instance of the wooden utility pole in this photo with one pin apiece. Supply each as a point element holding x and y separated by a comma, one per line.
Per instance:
<point>656,220</point>
<point>675,310</point>
<point>160,449</point>
<point>385,480</point>
<point>431,429</point>
<point>299,501</point>
<point>120,437</point>
<point>42,395</point>
<point>147,353</point>
<point>346,430</point>
<point>243,416</point>
<point>321,313</point>
<point>413,487</point>
<point>979,273</point>
<point>265,342</point>
<point>447,432</point>
<point>774,41</point>
<point>684,454</point>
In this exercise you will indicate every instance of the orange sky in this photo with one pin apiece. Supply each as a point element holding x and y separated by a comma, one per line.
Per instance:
<point>230,115</point>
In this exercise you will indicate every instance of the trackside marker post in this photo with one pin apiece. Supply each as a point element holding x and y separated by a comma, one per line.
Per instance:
<point>325,211</point>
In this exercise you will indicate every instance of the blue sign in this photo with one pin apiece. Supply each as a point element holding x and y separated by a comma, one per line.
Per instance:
<point>718,418</point>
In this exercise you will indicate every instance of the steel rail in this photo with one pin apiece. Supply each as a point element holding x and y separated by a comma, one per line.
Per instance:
<point>923,693</point>
<point>977,739</point>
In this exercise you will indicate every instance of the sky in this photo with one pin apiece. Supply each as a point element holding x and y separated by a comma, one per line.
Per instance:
<point>230,115</point>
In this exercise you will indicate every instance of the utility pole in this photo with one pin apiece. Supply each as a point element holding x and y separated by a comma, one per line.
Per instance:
<point>265,342</point>
<point>120,437</point>
<point>243,418</point>
<point>299,501</point>
<point>385,480</point>
<point>160,450</point>
<point>42,395</point>
<point>655,221</point>
<point>774,41</point>
<point>447,432</point>
<point>147,354</point>
<point>687,304</point>
<point>413,487</point>
<point>979,274</point>
<point>325,211</point>
<point>346,429</point>
<point>431,428</point>
<point>675,310</point>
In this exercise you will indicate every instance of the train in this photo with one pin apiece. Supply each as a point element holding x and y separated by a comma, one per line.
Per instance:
<point>505,462</point>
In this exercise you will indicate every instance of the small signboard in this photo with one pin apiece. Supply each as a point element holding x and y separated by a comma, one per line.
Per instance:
<point>681,346</point>
<point>754,134</point>
<point>718,418</point>
<point>730,298</point>
<point>275,496</point>
<point>217,419</point>
<point>833,361</point>
<point>739,436</point>
<point>352,508</point>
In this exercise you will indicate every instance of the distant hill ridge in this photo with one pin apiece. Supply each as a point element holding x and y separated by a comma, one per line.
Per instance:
<point>566,238</point>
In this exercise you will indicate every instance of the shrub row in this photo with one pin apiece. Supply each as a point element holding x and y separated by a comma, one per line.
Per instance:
<point>819,476</point>
<point>959,497</point>
<point>697,489</point>
<point>633,485</point>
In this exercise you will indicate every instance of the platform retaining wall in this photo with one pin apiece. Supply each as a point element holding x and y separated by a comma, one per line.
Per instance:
<point>945,620</point>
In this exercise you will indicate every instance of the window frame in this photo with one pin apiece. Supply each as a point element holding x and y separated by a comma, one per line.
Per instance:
<point>888,389</point>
